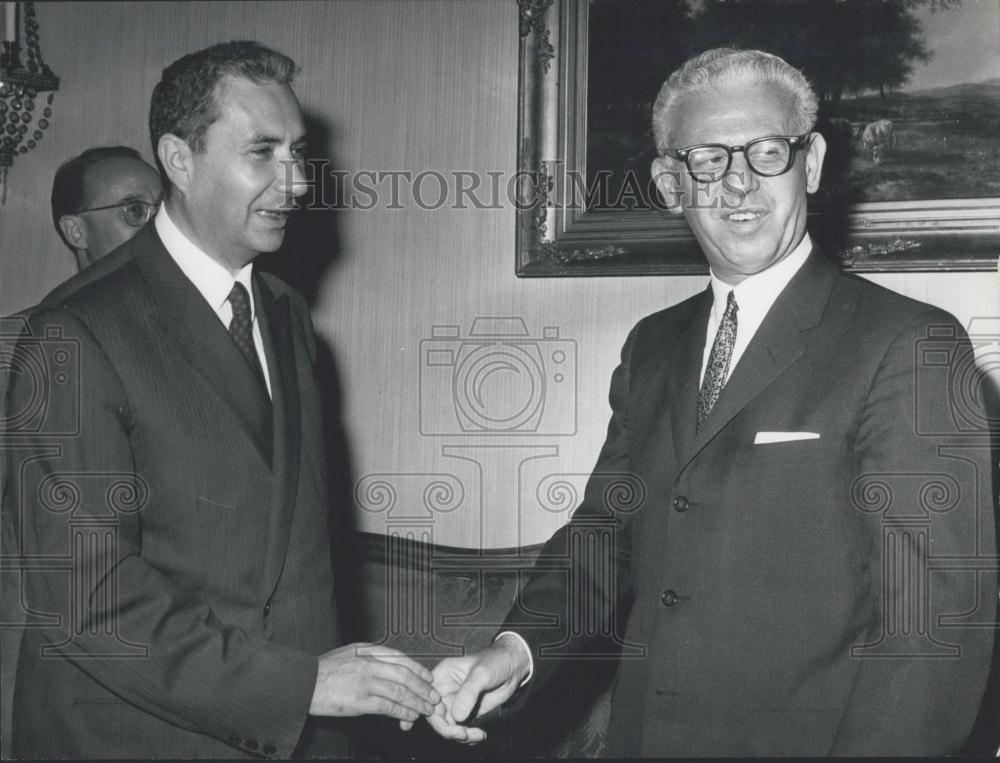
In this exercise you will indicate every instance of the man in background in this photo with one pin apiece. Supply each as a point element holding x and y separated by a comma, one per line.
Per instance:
<point>167,472</point>
<point>812,570</point>
<point>101,198</point>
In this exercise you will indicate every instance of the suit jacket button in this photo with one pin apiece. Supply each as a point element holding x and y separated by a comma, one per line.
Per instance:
<point>668,597</point>
<point>233,739</point>
<point>267,609</point>
<point>269,749</point>
<point>251,744</point>
<point>681,504</point>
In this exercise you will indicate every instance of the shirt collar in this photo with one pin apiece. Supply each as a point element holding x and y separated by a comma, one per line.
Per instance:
<point>757,292</point>
<point>210,278</point>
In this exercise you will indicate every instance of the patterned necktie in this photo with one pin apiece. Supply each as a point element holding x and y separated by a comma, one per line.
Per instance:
<point>241,329</point>
<point>718,361</point>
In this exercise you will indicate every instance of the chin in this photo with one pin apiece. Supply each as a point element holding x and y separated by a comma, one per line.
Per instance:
<point>752,251</point>
<point>267,244</point>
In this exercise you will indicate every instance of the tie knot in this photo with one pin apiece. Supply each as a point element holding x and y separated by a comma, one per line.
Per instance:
<point>240,300</point>
<point>731,305</point>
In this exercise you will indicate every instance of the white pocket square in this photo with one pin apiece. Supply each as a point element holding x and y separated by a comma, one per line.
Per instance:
<point>764,438</point>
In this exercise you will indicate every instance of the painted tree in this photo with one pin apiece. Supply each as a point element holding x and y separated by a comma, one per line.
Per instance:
<point>841,45</point>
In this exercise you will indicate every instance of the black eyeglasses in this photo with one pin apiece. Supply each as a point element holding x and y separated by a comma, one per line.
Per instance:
<point>770,156</point>
<point>135,211</point>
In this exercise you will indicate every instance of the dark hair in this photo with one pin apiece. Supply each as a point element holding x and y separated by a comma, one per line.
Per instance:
<point>183,101</point>
<point>69,186</point>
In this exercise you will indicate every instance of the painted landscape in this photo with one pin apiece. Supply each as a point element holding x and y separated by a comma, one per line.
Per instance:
<point>891,135</point>
<point>945,145</point>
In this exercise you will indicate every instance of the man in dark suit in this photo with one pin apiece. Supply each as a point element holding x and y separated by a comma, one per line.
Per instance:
<point>167,475</point>
<point>808,566</point>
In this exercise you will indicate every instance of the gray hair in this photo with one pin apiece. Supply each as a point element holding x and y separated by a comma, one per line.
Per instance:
<point>719,67</point>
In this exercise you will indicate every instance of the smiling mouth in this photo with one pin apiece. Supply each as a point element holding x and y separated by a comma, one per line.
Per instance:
<point>275,215</point>
<point>745,217</point>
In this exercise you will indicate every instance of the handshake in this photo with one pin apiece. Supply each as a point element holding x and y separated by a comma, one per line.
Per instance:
<point>362,679</point>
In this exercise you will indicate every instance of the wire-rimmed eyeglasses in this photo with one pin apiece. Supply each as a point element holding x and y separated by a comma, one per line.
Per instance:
<point>135,211</point>
<point>769,156</point>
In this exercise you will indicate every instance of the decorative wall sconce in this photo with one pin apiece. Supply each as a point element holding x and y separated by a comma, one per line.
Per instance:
<point>23,117</point>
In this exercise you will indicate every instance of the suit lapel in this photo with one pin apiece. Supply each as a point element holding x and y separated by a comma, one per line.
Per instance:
<point>778,343</point>
<point>202,340</point>
<point>686,355</point>
<point>279,347</point>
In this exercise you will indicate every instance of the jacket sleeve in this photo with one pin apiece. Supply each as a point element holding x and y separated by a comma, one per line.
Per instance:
<point>76,494</point>
<point>923,481</point>
<point>581,583</point>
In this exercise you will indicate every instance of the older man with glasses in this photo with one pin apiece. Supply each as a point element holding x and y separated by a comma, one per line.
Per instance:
<point>101,198</point>
<point>809,567</point>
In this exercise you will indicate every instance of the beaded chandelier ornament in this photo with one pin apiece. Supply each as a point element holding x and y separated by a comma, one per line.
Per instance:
<point>23,119</point>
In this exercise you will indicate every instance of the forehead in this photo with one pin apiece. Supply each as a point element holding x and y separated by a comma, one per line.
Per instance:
<point>118,177</point>
<point>247,108</point>
<point>732,114</point>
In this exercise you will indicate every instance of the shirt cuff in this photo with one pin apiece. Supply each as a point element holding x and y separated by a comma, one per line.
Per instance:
<point>531,660</point>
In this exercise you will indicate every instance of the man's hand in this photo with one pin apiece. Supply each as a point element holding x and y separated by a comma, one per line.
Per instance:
<point>362,679</point>
<point>478,682</point>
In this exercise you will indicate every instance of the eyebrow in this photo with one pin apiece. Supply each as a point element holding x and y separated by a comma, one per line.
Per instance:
<point>129,199</point>
<point>271,140</point>
<point>262,138</point>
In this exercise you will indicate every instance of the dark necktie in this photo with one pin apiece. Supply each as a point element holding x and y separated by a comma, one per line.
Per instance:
<point>718,361</point>
<point>241,329</point>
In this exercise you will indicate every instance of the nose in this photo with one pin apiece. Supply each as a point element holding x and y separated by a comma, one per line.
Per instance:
<point>299,183</point>
<point>740,176</point>
<point>291,178</point>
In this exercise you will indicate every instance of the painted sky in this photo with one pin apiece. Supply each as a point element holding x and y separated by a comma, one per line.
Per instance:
<point>966,45</point>
<point>965,41</point>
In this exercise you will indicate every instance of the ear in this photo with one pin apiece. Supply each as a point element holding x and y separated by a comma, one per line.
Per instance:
<point>814,162</point>
<point>176,157</point>
<point>668,179</point>
<point>74,231</point>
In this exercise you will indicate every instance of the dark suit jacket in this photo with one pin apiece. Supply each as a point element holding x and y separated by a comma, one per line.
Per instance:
<point>177,521</point>
<point>823,596</point>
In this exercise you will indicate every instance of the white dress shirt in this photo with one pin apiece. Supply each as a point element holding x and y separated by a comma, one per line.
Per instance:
<point>211,279</point>
<point>754,297</point>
